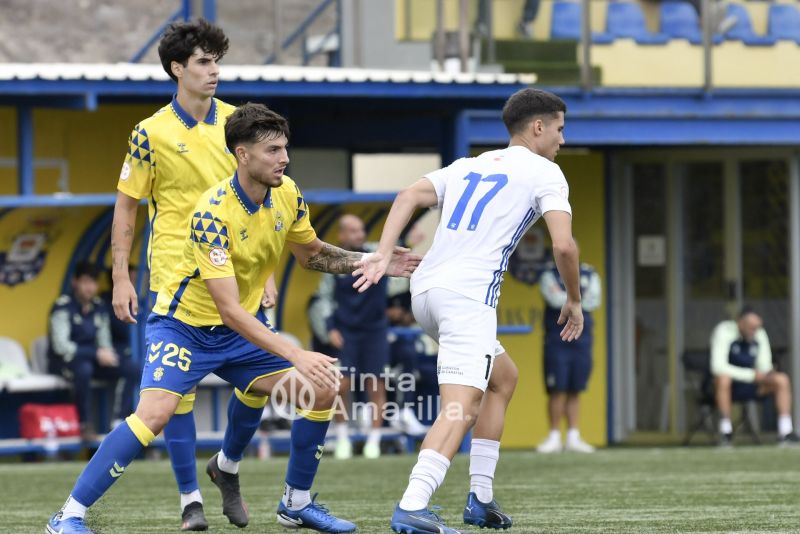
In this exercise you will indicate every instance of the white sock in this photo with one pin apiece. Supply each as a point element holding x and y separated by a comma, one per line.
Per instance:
<point>295,499</point>
<point>785,425</point>
<point>72,508</point>
<point>483,456</point>
<point>342,431</point>
<point>374,436</point>
<point>427,475</point>
<point>189,498</point>
<point>227,465</point>
<point>573,435</point>
<point>725,426</point>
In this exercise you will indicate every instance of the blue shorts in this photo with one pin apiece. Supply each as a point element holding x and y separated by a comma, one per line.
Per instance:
<point>744,391</point>
<point>178,356</point>
<point>566,367</point>
<point>366,351</point>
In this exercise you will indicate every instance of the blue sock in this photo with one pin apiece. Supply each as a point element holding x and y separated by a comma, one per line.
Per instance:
<point>115,453</point>
<point>308,442</point>
<point>180,435</point>
<point>243,422</point>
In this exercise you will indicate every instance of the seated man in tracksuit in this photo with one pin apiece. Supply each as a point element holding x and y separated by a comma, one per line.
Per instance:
<point>81,347</point>
<point>741,364</point>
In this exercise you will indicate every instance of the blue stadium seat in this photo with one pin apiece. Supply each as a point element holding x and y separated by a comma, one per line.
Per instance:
<point>679,20</point>
<point>566,24</point>
<point>625,19</point>
<point>743,29</point>
<point>784,22</point>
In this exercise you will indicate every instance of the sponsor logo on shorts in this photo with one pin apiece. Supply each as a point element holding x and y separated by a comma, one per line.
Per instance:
<point>448,370</point>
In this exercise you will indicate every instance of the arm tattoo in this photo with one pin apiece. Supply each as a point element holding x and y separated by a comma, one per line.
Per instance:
<point>333,260</point>
<point>121,245</point>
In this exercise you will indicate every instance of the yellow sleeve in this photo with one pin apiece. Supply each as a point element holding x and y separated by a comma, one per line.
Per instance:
<point>139,170</point>
<point>211,246</point>
<point>301,231</point>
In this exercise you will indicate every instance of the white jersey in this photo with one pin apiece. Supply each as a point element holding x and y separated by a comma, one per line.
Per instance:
<point>488,203</point>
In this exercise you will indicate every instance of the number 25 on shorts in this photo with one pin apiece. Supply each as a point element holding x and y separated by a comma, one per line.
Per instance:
<point>171,350</point>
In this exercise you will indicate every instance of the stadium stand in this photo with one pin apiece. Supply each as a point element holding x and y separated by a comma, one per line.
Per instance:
<point>566,24</point>
<point>626,20</point>
<point>784,22</point>
<point>679,20</point>
<point>743,28</point>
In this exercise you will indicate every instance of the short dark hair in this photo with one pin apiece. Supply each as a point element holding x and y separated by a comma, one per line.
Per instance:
<point>747,309</point>
<point>85,268</point>
<point>526,104</point>
<point>251,123</point>
<point>181,38</point>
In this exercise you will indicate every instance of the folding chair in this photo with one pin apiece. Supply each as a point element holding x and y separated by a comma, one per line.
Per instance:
<point>697,365</point>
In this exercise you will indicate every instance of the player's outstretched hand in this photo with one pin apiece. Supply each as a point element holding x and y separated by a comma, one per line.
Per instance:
<point>124,301</point>
<point>572,315</point>
<point>320,369</point>
<point>369,271</point>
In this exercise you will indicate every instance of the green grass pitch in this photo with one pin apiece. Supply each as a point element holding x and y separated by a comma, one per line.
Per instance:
<point>745,489</point>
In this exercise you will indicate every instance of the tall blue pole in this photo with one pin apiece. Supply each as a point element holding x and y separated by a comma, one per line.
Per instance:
<point>25,150</point>
<point>210,10</point>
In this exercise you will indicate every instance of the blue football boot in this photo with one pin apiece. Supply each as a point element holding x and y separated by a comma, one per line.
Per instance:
<point>420,522</point>
<point>70,525</point>
<point>485,515</point>
<point>314,516</point>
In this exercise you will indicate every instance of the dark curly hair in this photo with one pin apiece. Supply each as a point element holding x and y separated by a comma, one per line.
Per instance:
<point>252,123</point>
<point>181,38</point>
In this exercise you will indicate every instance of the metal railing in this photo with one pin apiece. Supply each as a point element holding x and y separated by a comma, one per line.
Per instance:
<point>184,12</point>
<point>586,81</point>
<point>301,32</point>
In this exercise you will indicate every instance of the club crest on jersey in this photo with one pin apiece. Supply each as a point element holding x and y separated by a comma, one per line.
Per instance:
<point>278,221</point>
<point>218,256</point>
<point>182,148</point>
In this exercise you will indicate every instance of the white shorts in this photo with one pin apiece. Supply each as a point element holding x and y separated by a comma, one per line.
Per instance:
<point>466,331</point>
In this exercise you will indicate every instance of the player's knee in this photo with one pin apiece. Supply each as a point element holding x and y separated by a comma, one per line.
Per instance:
<point>781,380</point>
<point>155,409</point>
<point>504,377</point>
<point>723,382</point>
<point>323,398</point>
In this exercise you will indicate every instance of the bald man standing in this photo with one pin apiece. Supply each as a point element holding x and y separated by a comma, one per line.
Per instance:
<point>357,328</point>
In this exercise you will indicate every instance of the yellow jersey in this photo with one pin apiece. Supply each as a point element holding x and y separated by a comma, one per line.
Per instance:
<point>231,236</point>
<point>171,160</point>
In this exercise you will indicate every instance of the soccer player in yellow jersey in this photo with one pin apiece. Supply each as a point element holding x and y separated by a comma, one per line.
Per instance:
<point>203,322</point>
<point>174,156</point>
